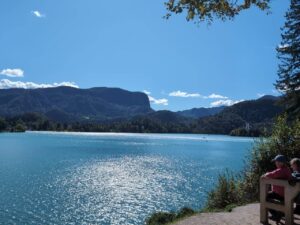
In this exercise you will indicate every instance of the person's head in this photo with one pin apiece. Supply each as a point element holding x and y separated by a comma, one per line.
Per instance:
<point>295,164</point>
<point>280,161</point>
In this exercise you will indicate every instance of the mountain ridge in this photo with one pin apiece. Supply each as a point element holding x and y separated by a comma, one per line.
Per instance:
<point>73,103</point>
<point>201,112</point>
<point>114,109</point>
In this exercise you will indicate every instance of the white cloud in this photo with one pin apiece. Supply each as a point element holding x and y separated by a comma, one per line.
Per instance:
<point>227,102</point>
<point>161,101</point>
<point>6,84</point>
<point>260,95</point>
<point>184,94</point>
<point>147,92</point>
<point>12,72</point>
<point>38,14</point>
<point>217,96</point>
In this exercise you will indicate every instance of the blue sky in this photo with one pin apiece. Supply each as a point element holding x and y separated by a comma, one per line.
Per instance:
<point>128,44</point>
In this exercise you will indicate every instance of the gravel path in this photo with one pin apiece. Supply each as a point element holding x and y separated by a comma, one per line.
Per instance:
<point>244,215</point>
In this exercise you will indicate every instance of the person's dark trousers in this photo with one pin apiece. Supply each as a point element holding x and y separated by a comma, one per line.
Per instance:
<point>297,209</point>
<point>274,196</point>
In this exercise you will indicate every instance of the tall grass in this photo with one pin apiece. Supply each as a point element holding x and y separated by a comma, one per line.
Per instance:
<point>225,193</point>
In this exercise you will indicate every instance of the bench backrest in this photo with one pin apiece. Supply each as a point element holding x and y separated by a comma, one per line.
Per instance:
<point>290,191</point>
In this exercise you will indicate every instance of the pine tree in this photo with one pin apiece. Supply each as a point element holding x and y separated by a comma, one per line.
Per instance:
<point>289,56</point>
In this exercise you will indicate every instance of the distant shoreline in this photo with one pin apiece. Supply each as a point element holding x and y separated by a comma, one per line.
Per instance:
<point>122,133</point>
<point>202,137</point>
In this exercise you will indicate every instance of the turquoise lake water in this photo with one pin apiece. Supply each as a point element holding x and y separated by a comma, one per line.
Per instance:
<point>90,178</point>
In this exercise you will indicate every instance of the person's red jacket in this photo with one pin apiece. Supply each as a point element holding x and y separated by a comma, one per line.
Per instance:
<point>283,173</point>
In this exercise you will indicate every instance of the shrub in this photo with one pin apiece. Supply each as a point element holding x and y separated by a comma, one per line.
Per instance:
<point>162,218</point>
<point>225,193</point>
<point>184,212</point>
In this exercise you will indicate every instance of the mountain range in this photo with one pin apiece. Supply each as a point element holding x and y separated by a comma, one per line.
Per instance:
<point>124,111</point>
<point>72,104</point>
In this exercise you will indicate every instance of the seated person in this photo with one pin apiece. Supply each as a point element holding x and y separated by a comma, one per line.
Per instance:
<point>295,164</point>
<point>281,172</point>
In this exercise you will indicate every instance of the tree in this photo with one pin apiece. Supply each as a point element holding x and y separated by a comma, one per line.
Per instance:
<point>208,10</point>
<point>19,128</point>
<point>3,124</point>
<point>289,56</point>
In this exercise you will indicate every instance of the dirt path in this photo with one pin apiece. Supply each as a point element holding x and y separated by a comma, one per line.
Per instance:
<point>245,215</point>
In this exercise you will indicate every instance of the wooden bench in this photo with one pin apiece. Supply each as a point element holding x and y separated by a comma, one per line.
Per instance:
<point>290,193</point>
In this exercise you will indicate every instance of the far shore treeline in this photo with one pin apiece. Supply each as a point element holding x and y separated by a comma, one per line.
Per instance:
<point>248,118</point>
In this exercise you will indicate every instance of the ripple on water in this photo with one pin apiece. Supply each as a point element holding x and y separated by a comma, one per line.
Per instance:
<point>107,179</point>
<point>122,190</point>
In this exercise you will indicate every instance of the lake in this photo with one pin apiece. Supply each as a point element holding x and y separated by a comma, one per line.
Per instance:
<point>101,178</point>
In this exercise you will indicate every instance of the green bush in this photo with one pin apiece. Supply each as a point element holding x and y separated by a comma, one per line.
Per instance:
<point>225,193</point>
<point>162,218</point>
<point>184,212</point>
<point>244,187</point>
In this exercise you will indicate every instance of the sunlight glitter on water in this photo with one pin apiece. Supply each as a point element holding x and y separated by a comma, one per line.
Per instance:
<point>123,190</point>
<point>62,178</point>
